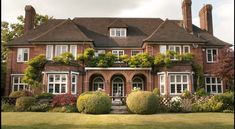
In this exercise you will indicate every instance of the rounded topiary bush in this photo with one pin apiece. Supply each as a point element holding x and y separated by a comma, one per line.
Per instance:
<point>18,94</point>
<point>142,102</point>
<point>96,102</point>
<point>23,103</point>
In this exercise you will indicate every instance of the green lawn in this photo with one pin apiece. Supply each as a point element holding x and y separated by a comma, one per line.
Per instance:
<point>47,120</point>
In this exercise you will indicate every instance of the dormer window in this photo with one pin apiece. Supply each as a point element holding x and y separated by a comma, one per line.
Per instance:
<point>117,32</point>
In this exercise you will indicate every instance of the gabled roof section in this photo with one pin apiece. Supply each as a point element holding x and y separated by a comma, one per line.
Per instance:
<point>168,31</point>
<point>65,31</point>
<point>117,23</point>
<point>211,40</point>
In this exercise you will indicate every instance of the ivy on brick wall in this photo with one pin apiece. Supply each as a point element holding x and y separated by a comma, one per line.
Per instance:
<point>33,72</point>
<point>65,58</point>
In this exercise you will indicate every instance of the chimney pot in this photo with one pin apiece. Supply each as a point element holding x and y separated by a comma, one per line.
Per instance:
<point>29,18</point>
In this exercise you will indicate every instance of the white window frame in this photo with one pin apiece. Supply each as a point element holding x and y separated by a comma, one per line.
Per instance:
<point>184,46</point>
<point>212,56</point>
<point>216,84</point>
<point>113,32</point>
<point>137,83</point>
<point>60,47</point>
<point>74,83</point>
<point>74,54</point>
<point>138,52</point>
<point>20,52</point>
<point>98,83</point>
<point>118,55</point>
<point>174,46</point>
<point>162,83</point>
<point>181,83</point>
<point>47,52</point>
<point>162,49</point>
<point>25,85</point>
<point>60,83</point>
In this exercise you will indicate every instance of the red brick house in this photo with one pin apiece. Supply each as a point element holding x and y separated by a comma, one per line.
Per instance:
<point>120,36</point>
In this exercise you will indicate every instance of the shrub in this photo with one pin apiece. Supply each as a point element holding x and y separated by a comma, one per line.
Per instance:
<point>23,103</point>
<point>64,58</point>
<point>186,94</point>
<point>228,111</point>
<point>227,99</point>
<point>175,104</point>
<point>186,105</point>
<point>156,91</point>
<point>7,107</point>
<point>63,100</point>
<point>96,102</point>
<point>39,107</point>
<point>18,94</point>
<point>45,96</point>
<point>142,102</point>
<point>58,109</point>
<point>201,92</point>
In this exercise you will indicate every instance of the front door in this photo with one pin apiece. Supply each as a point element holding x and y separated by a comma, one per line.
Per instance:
<point>118,87</point>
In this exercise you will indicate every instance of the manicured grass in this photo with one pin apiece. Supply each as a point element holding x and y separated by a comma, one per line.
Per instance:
<point>47,120</point>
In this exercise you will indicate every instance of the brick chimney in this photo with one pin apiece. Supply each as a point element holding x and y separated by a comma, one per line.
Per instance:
<point>187,15</point>
<point>205,15</point>
<point>29,18</point>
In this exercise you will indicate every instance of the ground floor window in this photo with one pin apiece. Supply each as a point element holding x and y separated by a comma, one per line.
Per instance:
<point>162,84</point>
<point>98,83</point>
<point>57,83</point>
<point>213,85</point>
<point>138,82</point>
<point>178,83</point>
<point>18,85</point>
<point>74,83</point>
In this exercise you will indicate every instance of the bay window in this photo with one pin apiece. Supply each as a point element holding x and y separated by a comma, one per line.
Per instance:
<point>57,83</point>
<point>178,83</point>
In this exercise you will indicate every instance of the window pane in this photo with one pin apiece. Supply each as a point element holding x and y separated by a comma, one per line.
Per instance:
<point>73,50</point>
<point>171,48</point>
<point>177,49</point>
<point>172,78</point>
<point>21,87</point>
<point>162,79</point>
<point>51,78</point>
<point>50,88</point>
<point>172,88</point>
<point>95,86</point>
<point>101,86</point>
<point>178,88</point>
<point>15,88</point>
<point>15,79</point>
<point>218,81</point>
<point>162,88</point>
<point>208,88</point>
<point>25,56</point>
<point>185,78</point>
<point>63,88</point>
<point>118,33</point>
<point>63,78</point>
<point>49,52</point>
<point>213,88</point>
<point>213,80</point>
<point>208,80</point>
<point>73,88</point>
<point>64,49</point>
<point>162,49</point>
<point>219,89</point>
<point>178,78</point>
<point>57,78</point>
<point>57,88</point>
<point>186,49</point>
<point>185,87</point>
<point>73,78</point>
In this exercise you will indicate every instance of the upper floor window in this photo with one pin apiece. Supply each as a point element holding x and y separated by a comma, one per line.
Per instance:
<point>22,54</point>
<point>117,32</point>
<point>175,48</point>
<point>59,49</point>
<point>73,50</point>
<point>49,52</point>
<point>211,55</point>
<point>118,53</point>
<point>162,49</point>
<point>186,49</point>
<point>135,52</point>
<point>213,85</point>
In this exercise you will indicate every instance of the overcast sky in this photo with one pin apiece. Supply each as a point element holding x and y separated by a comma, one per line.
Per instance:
<point>223,11</point>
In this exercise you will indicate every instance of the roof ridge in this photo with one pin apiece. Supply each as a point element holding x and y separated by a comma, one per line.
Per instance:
<point>48,31</point>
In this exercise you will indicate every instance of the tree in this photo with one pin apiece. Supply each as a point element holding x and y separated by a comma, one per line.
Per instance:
<point>224,68</point>
<point>14,30</point>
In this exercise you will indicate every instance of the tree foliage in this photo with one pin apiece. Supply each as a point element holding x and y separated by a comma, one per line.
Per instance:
<point>64,58</point>
<point>140,60</point>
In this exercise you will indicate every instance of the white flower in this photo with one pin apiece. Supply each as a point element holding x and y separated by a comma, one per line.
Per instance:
<point>176,99</point>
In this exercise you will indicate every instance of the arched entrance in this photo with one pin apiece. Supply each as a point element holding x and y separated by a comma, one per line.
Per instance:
<point>139,81</point>
<point>118,86</point>
<point>96,82</point>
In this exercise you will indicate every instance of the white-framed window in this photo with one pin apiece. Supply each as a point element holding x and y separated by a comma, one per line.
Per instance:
<point>73,51</point>
<point>178,83</point>
<point>22,54</point>
<point>213,85</point>
<point>186,49</point>
<point>98,52</point>
<point>162,84</point>
<point>117,32</point>
<point>211,55</point>
<point>118,53</point>
<point>59,49</point>
<point>98,82</point>
<point>175,48</point>
<point>18,85</point>
<point>162,49</point>
<point>138,82</point>
<point>74,81</point>
<point>57,83</point>
<point>49,52</point>
<point>135,52</point>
